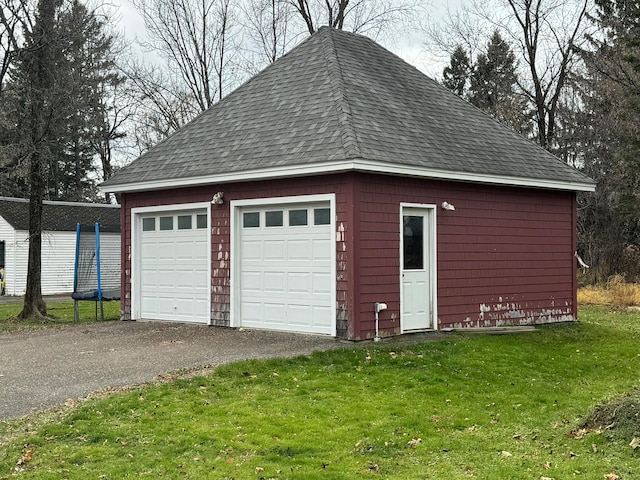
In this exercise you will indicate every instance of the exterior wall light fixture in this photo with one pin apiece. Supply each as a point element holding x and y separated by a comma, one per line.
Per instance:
<point>218,198</point>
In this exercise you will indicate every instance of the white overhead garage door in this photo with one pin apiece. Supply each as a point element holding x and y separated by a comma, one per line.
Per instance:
<point>285,260</point>
<point>173,271</point>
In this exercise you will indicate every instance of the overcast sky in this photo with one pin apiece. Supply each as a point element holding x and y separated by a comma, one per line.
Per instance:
<point>408,45</point>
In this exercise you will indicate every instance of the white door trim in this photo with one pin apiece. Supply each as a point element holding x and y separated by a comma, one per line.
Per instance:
<point>236,206</point>
<point>431,253</point>
<point>134,252</point>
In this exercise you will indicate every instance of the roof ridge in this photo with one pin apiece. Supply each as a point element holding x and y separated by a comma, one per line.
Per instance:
<point>341,102</point>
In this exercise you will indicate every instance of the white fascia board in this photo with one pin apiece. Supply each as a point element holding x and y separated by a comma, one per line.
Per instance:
<point>357,165</point>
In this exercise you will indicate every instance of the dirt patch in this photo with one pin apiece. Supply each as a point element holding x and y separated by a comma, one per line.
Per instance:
<point>619,416</point>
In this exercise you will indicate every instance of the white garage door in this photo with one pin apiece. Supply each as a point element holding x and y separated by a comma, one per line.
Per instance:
<point>174,271</point>
<point>286,268</point>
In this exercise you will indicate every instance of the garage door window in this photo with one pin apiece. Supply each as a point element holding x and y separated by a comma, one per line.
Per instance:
<point>274,219</point>
<point>184,222</point>
<point>321,216</point>
<point>201,221</point>
<point>149,224</point>
<point>166,223</point>
<point>297,218</point>
<point>251,219</point>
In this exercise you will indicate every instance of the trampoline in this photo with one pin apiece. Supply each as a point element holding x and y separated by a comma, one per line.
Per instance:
<point>90,282</point>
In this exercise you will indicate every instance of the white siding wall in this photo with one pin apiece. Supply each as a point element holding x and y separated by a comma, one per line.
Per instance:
<point>15,257</point>
<point>110,259</point>
<point>58,258</point>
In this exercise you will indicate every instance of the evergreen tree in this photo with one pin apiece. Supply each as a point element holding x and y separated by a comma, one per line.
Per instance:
<point>456,75</point>
<point>82,75</point>
<point>50,106</point>
<point>609,220</point>
<point>493,85</point>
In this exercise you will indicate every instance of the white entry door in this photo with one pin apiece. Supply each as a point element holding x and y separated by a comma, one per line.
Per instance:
<point>417,268</point>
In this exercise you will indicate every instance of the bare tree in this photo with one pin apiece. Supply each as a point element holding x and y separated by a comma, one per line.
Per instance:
<point>267,27</point>
<point>545,32</point>
<point>111,117</point>
<point>360,16</point>
<point>161,103</point>
<point>16,17</point>
<point>192,36</point>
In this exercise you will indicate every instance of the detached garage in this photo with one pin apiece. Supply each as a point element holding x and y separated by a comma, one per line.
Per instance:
<point>339,178</point>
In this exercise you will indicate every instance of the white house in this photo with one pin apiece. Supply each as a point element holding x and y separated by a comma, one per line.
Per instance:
<point>59,220</point>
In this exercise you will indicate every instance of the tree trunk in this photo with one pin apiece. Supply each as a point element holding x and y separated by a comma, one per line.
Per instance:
<point>39,64</point>
<point>34,305</point>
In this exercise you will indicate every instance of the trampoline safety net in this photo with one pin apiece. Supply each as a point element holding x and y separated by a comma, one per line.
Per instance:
<point>94,279</point>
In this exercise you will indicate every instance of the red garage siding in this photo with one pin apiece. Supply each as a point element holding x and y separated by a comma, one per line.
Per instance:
<point>504,256</point>
<point>341,185</point>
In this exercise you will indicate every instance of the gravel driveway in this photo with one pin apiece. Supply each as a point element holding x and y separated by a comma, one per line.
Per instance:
<point>44,368</point>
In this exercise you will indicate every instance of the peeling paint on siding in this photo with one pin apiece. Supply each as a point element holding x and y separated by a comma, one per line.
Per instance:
<point>504,314</point>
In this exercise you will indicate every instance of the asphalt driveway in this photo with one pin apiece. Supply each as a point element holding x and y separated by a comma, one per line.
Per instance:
<point>45,368</point>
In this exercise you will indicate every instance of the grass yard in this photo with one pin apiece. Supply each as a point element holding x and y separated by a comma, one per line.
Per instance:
<point>471,406</point>
<point>60,311</point>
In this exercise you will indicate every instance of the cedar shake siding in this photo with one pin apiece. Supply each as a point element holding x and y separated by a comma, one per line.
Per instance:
<point>504,256</point>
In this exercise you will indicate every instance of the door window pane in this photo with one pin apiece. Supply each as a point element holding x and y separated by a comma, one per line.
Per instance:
<point>413,240</point>
<point>149,224</point>
<point>251,219</point>
<point>297,218</point>
<point>273,219</point>
<point>321,216</point>
<point>166,223</point>
<point>201,221</point>
<point>184,222</point>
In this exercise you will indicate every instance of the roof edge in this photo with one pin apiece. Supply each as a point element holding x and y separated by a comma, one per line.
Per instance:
<point>357,165</point>
<point>61,202</point>
<point>341,102</point>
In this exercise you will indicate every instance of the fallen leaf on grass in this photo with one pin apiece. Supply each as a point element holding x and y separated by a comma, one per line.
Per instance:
<point>28,455</point>
<point>505,454</point>
<point>547,466</point>
<point>393,355</point>
<point>259,469</point>
<point>374,467</point>
<point>611,476</point>
<point>547,478</point>
<point>578,434</point>
<point>413,442</point>
<point>594,447</point>
<point>634,443</point>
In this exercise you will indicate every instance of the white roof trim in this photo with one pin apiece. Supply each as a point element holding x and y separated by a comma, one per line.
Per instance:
<point>358,165</point>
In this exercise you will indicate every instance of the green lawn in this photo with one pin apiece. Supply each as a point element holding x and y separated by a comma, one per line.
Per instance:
<point>470,406</point>
<point>61,313</point>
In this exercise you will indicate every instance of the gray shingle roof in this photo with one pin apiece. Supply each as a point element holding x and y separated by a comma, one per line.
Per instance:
<point>61,216</point>
<point>340,96</point>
